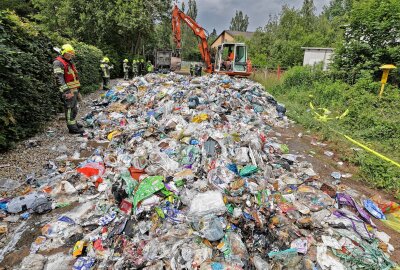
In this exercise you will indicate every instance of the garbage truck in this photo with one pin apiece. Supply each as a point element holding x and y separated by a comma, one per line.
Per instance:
<point>165,61</point>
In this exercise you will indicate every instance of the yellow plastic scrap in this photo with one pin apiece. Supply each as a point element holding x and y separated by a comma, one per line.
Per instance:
<point>200,118</point>
<point>142,88</point>
<point>113,134</point>
<point>78,248</point>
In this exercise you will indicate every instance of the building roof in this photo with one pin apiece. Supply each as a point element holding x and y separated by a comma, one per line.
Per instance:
<point>239,33</point>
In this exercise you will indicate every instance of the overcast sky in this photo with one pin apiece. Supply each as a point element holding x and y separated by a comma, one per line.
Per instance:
<point>218,13</point>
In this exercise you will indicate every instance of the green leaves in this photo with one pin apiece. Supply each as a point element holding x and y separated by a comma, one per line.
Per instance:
<point>239,22</point>
<point>280,41</point>
<point>372,38</point>
<point>29,96</point>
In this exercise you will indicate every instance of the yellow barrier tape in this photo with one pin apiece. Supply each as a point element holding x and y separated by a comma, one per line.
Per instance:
<point>371,151</point>
<point>325,118</point>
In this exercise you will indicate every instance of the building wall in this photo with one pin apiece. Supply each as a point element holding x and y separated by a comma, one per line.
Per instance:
<point>313,57</point>
<point>225,37</point>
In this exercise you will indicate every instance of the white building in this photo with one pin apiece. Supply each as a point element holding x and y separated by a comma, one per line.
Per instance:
<point>315,56</point>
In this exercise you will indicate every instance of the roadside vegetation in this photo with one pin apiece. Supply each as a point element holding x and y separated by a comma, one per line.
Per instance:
<point>352,83</point>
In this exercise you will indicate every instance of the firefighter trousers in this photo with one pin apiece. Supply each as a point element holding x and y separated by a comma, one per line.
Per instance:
<point>71,109</point>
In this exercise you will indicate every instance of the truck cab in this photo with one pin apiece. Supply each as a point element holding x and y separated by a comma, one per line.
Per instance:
<point>231,59</point>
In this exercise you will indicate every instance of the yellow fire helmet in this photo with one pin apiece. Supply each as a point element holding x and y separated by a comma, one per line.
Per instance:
<point>126,60</point>
<point>106,60</point>
<point>67,48</point>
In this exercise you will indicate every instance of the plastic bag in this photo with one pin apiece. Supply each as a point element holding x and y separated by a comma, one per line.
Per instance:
<point>248,170</point>
<point>212,228</point>
<point>38,202</point>
<point>84,263</point>
<point>148,187</point>
<point>220,177</point>
<point>373,209</point>
<point>242,155</point>
<point>200,118</point>
<point>91,169</point>
<point>385,205</point>
<point>210,202</point>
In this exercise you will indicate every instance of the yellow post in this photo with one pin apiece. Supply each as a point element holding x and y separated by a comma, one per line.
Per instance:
<point>385,75</point>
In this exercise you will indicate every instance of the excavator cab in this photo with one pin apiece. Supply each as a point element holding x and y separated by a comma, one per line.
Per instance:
<point>231,59</point>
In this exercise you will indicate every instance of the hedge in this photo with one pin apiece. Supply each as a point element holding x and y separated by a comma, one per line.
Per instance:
<point>28,93</point>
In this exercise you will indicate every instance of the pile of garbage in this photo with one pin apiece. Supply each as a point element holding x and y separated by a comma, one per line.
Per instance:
<point>187,173</point>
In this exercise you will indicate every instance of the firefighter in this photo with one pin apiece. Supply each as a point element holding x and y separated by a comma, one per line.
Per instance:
<point>68,82</point>
<point>125,67</point>
<point>135,68</point>
<point>105,72</point>
<point>150,67</point>
<point>191,69</point>
<point>142,70</point>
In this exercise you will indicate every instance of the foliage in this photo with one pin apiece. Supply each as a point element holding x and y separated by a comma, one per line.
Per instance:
<point>372,38</point>
<point>119,28</point>
<point>21,8</point>
<point>29,96</point>
<point>338,9</point>
<point>190,50</point>
<point>371,120</point>
<point>87,61</point>
<point>239,22</point>
<point>280,42</point>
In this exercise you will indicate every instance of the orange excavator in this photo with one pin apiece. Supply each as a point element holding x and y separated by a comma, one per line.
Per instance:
<point>230,58</point>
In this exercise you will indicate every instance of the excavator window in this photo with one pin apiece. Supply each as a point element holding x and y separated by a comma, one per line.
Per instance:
<point>240,58</point>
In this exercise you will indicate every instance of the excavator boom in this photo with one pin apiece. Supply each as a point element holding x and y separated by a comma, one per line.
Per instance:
<point>178,16</point>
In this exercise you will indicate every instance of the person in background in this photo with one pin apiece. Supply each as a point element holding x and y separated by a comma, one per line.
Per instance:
<point>142,70</point>
<point>135,68</point>
<point>150,67</point>
<point>105,72</point>
<point>68,82</point>
<point>125,67</point>
<point>191,69</point>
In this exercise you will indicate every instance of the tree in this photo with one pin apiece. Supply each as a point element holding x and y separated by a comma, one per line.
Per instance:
<point>190,50</point>
<point>192,9</point>
<point>338,9</point>
<point>372,38</point>
<point>120,28</point>
<point>212,37</point>
<point>239,22</point>
<point>280,41</point>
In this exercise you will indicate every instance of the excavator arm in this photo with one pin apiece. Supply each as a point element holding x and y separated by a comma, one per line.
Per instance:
<point>177,16</point>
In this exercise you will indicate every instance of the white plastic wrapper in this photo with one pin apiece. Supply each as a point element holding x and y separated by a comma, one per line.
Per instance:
<point>210,202</point>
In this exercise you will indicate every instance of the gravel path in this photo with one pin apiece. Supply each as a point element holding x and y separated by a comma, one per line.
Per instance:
<point>33,155</point>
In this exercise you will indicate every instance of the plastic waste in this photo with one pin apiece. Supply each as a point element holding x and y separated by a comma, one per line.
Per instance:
<point>212,228</point>
<point>91,169</point>
<point>210,202</point>
<point>260,264</point>
<point>373,209</point>
<point>190,173</point>
<point>84,263</point>
<point>147,187</point>
<point>38,202</point>
<point>385,205</point>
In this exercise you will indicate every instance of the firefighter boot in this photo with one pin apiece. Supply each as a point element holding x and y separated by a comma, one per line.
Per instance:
<point>74,129</point>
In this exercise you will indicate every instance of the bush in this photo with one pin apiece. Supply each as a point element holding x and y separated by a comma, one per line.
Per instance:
<point>29,96</point>
<point>87,61</point>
